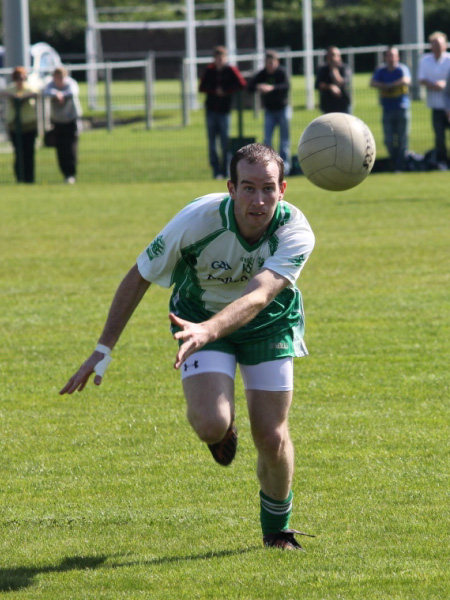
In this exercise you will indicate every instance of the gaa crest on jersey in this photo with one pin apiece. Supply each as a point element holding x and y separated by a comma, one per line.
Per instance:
<point>156,248</point>
<point>248,264</point>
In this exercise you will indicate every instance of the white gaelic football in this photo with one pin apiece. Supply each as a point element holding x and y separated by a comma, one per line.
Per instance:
<point>336,151</point>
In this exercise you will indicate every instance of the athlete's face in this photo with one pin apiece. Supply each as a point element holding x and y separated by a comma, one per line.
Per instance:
<point>255,196</point>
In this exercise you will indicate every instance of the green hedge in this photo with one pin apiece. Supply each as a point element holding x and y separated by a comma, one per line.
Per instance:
<point>352,26</point>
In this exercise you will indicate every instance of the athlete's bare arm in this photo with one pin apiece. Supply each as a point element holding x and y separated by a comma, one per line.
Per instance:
<point>260,291</point>
<point>127,297</point>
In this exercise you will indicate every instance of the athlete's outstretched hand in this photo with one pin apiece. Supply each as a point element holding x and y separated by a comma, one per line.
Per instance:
<point>193,335</point>
<point>96,362</point>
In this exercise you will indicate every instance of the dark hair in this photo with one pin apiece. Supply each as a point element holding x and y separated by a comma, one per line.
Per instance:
<point>272,54</point>
<point>255,153</point>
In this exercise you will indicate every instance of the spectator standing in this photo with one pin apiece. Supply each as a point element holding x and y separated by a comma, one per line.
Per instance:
<point>393,80</point>
<point>21,119</point>
<point>447,97</point>
<point>333,81</point>
<point>273,84</point>
<point>434,69</point>
<point>219,82</point>
<point>65,112</point>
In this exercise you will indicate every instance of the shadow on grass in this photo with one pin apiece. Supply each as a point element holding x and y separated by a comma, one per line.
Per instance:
<point>18,578</point>
<point>21,577</point>
<point>174,559</point>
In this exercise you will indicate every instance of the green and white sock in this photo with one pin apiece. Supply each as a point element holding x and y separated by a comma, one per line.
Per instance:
<point>275,514</point>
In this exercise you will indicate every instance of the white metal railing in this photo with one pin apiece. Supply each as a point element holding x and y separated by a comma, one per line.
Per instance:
<point>105,103</point>
<point>188,98</point>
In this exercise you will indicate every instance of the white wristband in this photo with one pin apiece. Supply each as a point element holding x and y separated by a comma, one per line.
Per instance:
<point>102,365</point>
<point>103,349</point>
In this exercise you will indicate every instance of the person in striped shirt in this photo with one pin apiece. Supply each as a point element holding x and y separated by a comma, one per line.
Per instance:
<point>233,260</point>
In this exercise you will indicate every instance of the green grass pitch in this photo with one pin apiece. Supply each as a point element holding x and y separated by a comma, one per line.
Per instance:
<point>109,495</point>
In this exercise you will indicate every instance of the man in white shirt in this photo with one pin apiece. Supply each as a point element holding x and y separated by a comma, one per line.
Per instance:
<point>447,97</point>
<point>233,260</point>
<point>433,71</point>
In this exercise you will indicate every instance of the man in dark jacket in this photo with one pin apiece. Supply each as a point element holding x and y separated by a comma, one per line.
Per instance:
<point>333,83</point>
<point>273,85</point>
<point>219,82</point>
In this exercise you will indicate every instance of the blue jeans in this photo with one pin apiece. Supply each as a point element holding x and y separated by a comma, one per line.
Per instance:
<point>440,124</point>
<point>218,125</point>
<point>396,131</point>
<point>280,118</point>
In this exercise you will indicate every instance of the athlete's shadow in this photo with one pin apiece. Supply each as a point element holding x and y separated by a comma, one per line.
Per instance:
<point>18,578</point>
<point>22,577</point>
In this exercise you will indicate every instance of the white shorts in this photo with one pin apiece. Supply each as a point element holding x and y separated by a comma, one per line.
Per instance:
<point>271,376</point>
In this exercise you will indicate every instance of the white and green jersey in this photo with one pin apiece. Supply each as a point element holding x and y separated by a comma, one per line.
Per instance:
<point>201,253</point>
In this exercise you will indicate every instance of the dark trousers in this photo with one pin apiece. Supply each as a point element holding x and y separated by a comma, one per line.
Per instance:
<point>66,142</point>
<point>396,129</point>
<point>440,124</point>
<point>218,126</point>
<point>24,154</point>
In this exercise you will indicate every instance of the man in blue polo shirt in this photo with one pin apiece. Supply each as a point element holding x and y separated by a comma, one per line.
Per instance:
<point>393,80</point>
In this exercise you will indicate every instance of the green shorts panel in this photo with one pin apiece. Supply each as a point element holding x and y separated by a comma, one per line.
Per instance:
<point>284,344</point>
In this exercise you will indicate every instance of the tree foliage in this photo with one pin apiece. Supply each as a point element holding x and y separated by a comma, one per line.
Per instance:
<point>63,17</point>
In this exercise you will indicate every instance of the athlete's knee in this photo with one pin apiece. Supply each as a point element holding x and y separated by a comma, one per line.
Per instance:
<point>210,427</point>
<point>272,442</point>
